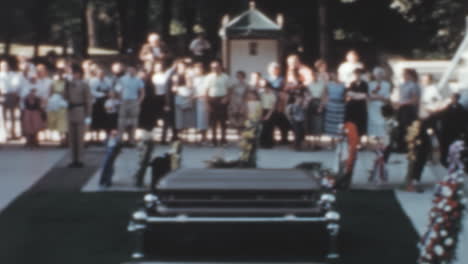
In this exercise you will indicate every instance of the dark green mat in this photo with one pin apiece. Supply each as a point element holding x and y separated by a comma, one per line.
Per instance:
<point>83,228</point>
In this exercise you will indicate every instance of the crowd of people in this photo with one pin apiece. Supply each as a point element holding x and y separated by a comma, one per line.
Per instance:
<point>195,93</point>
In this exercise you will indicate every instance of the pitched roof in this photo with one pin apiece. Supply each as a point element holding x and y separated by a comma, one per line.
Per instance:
<point>252,23</point>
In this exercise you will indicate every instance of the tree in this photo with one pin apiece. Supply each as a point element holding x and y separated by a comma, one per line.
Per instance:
<point>122,25</point>
<point>166,17</point>
<point>141,21</point>
<point>39,21</point>
<point>84,29</point>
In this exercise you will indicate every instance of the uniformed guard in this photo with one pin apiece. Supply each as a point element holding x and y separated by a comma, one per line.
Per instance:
<point>78,96</point>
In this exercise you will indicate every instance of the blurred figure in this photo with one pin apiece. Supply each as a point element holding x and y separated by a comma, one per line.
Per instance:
<point>218,87</point>
<point>274,77</point>
<point>253,109</point>
<point>11,99</point>
<point>237,102</point>
<point>407,105</point>
<point>78,96</point>
<point>321,66</point>
<point>254,82</point>
<point>200,48</point>
<point>156,99</point>
<point>356,103</point>
<point>100,86</point>
<point>379,95</point>
<point>44,82</point>
<point>32,119</point>
<point>295,111</point>
<point>117,72</point>
<point>315,106</point>
<point>132,93</point>
<point>347,68</point>
<point>154,50</point>
<point>111,107</point>
<point>113,149</point>
<point>334,106</point>
<point>57,107</point>
<point>201,100</point>
<point>431,100</point>
<point>184,107</point>
<point>268,100</point>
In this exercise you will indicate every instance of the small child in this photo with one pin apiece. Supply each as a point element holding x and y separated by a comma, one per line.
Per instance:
<point>295,111</point>
<point>113,148</point>
<point>254,108</point>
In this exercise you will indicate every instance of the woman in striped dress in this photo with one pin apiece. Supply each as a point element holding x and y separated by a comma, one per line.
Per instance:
<point>335,106</point>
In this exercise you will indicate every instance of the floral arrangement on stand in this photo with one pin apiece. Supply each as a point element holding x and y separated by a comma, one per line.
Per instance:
<point>248,145</point>
<point>438,245</point>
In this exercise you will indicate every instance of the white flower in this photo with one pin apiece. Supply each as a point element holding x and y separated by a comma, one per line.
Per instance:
<point>449,242</point>
<point>439,250</point>
<point>446,191</point>
<point>443,233</point>
<point>447,208</point>
<point>440,220</point>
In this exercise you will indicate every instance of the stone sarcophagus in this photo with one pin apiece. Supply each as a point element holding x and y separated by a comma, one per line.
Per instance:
<point>237,196</point>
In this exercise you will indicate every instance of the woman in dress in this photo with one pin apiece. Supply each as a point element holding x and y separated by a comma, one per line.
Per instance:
<point>112,109</point>
<point>379,95</point>
<point>201,104</point>
<point>57,107</point>
<point>334,106</point>
<point>100,86</point>
<point>184,107</point>
<point>268,99</point>
<point>314,113</point>
<point>149,108</point>
<point>356,103</point>
<point>237,102</point>
<point>33,117</point>
<point>160,79</point>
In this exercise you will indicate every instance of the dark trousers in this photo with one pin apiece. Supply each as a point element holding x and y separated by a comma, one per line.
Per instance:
<point>406,116</point>
<point>218,116</point>
<point>280,121</point>
<point>266,136</point>
<point>422,155</point>
<point>108,166</point>
<point>169,124</point>
<point>299,133</point>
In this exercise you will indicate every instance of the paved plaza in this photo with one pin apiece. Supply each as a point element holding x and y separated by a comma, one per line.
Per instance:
<point>23,168</point>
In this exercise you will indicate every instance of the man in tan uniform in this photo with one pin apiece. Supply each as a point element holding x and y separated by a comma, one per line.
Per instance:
<point>78,96</point>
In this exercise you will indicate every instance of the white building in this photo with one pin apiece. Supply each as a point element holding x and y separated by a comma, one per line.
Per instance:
<point>251,41</point>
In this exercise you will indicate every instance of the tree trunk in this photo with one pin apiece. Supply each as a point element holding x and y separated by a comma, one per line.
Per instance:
<point>90,10</point>
<point>140,22</point>
<point>38,16</point>
<point>122,25</point>
<point>166,17</point>
<point>7,42</point>
<point>323,29</point>
<point>84,29</point>
<point>190,14</point>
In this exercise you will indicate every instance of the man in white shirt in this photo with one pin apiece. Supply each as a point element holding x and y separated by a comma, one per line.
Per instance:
<point>11,98</point>
<point>347,68</point>
<point>217,84</point>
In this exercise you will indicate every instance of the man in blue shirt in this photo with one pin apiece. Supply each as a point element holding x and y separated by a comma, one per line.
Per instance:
<point>132,93</point>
